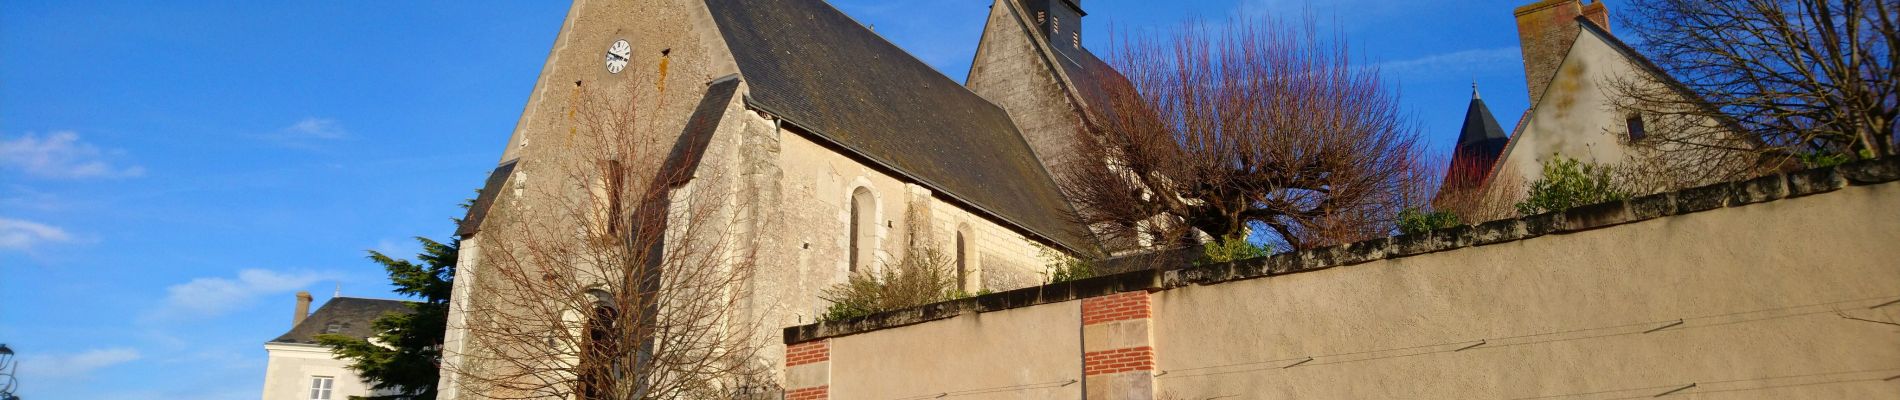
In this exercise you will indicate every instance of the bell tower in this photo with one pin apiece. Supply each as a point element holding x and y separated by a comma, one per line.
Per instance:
<point>1061,22</point>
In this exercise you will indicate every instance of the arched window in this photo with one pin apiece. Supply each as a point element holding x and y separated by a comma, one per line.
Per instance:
<point>963,264</point>
<point>967,276</point>
<point>600,355</point>
<point>863,229</point>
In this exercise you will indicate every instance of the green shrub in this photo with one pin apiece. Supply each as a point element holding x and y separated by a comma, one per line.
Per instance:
<point>1058,267</point>
<point>1414,221</point>
<point>1230,249</point>
<point>1821,158</point>
<point>1568,183</point>
<point>922,277</point>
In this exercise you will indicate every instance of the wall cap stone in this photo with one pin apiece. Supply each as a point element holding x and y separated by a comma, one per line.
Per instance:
<point>1583,218</point>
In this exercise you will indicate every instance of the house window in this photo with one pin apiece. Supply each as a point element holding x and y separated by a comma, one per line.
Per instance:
<point>320,387</point>
<point>863,227</point>
<point>1636,129</point>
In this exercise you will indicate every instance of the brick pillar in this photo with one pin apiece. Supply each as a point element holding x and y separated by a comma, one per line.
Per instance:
<point>1118,356</point>
<point>808,370</point>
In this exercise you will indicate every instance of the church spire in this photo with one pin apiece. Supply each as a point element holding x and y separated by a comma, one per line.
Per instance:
<point>1474,89</point>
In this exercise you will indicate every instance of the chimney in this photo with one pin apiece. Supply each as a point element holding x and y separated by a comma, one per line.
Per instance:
<point>303,309</point>
<point>1545,31</point>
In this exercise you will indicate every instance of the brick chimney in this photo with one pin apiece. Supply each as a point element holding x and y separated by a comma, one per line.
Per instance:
<point>1545,31</point>
<point>303,309</point>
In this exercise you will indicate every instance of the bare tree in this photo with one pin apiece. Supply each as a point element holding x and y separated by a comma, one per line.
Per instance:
<point>1475,193</point>
<point>617,275</point>
<point>1796,77</point>
<point>8,368</point>
<point>1257,125</point>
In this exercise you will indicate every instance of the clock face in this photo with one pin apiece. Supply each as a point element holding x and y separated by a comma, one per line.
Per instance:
<point>617,56</point>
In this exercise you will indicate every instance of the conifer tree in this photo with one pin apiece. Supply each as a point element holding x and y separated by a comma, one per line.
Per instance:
<point>404,357</point>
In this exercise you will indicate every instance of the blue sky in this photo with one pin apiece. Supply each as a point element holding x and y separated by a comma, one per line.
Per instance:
<point>171,172</point>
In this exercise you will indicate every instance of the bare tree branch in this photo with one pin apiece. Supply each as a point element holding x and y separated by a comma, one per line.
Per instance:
<point>619,275</point>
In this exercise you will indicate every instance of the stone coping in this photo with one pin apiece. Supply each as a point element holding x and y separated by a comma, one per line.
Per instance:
<point>1595,216</point>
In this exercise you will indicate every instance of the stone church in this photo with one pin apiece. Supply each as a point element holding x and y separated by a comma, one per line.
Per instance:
<point>845,148</point>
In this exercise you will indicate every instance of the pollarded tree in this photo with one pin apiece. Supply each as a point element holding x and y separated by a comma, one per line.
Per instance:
<point>1255,125</point>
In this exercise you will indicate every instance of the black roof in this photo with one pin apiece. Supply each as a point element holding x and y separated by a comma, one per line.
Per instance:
<point>824,73</point>
<point>349,316</point>
<point>1480,125</point>
<point>1480,143</point>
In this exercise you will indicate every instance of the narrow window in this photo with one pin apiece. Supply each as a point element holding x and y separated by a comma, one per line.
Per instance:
<point>1636,127</point>
<point>863,225</point>
<point>1075,39</point>
<point>320,387</point>
<point>963,264</point>
<point>611,186</point>
<point>1042,17</point>
<point>600,365</point>
<point>1056,26</point>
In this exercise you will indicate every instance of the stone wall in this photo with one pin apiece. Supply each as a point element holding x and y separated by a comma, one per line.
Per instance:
<point>1012,69</point>
<point>1777,287</point>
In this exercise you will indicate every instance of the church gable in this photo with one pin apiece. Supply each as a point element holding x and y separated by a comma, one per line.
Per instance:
<point>672,54</point>
<point>1013,69</point>
<point>817,69</point>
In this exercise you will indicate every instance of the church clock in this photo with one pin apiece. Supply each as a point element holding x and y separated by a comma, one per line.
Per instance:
<point>617,56</point>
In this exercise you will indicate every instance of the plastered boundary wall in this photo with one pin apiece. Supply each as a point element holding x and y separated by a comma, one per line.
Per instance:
<point>1781,287</point>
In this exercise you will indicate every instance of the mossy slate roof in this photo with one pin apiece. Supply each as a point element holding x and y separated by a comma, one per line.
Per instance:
<point>352,317</point>
<point>821,71</point>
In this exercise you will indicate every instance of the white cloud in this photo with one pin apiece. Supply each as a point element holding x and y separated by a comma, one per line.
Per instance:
<point>317,128</point>
<point>68,366</point>
<point>308,133</point>
<point>27,235</point>
<point>1453,63</point>
<point>60,155</point>
<point>214,296</point>
<point>17,197</point>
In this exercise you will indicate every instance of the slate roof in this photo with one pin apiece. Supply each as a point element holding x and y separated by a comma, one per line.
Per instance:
<point>1480,143</point>
<point>823,72</point>
<point>485,199</point>
<point>348,316</point>
<point>1093,80</point>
